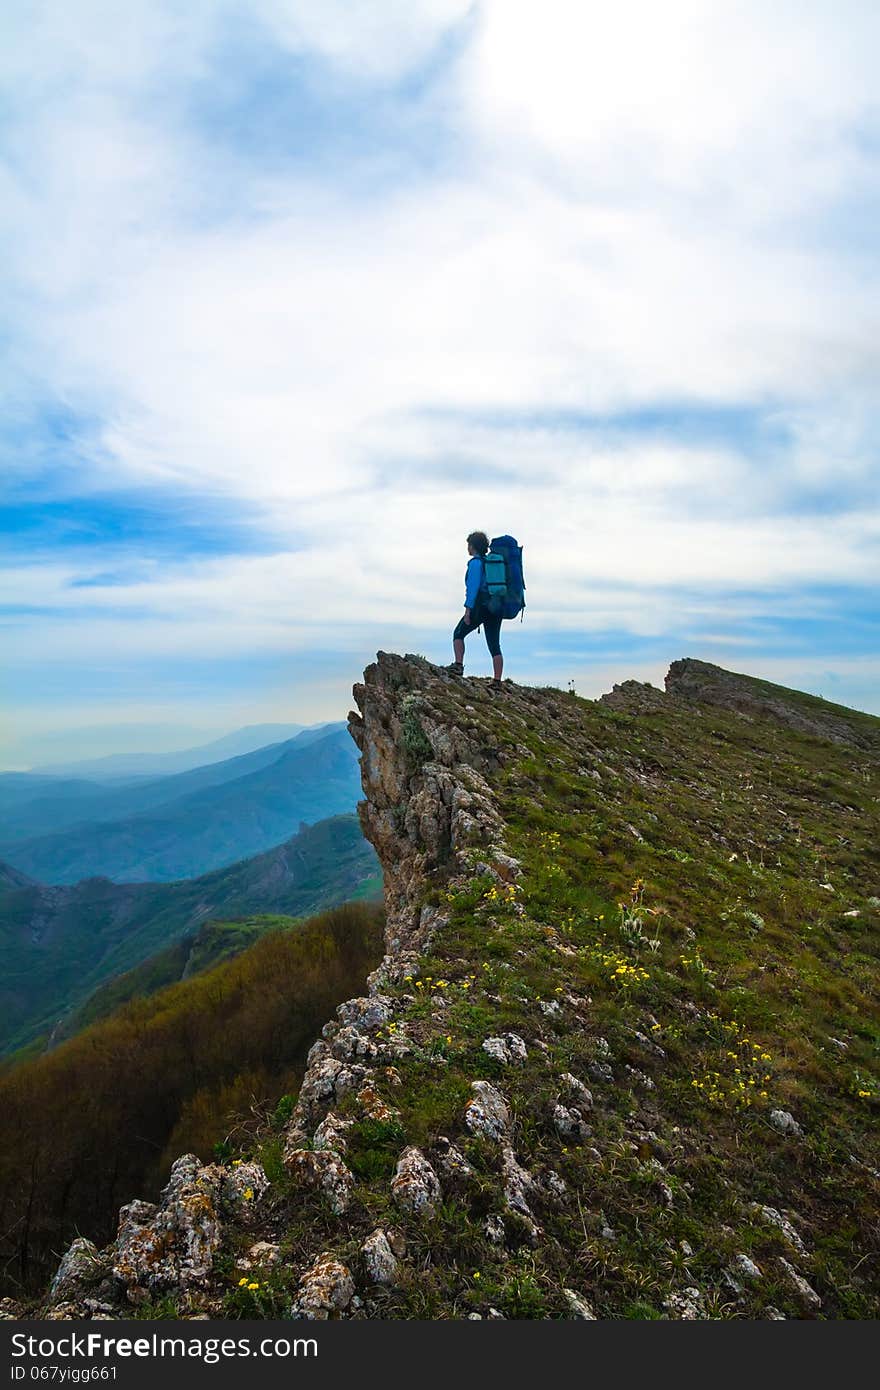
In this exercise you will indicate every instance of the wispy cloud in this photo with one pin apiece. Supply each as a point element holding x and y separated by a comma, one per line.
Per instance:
<point>299,293</point>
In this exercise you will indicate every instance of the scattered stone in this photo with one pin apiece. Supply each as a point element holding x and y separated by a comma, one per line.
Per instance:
<point>517,1182</point>
<point>658,1172</point>
<point>785,1123</point>
<point>570,1124</point>
<point>487,1113</point>
<point>581,1096</point>
<point>782,1223</point>
<point>262,1253</point>
<point>747,1268</point>
<point>601,1072</point>
<point>349,1044</point>
<point>640,1077</point>
<point>772,1314</point>
<point>579,1306</point>
<point>241,1188</point>
<point>325,1290</point>
<point>367,1015</point>
<point>80,1269</point>
<point>509,869</point>
<point>507,1049</point>
<point>805,1293</point>
<point>555,1185</point>
<point>379,1259</point>
<point>686,1248</point>
<point>374,1107</point>
<point>686,1306</point>
<point>331,1133</point>
<point>648,1044</point>
<point>549,1007</point>
<point>494,1228</point>
<point>415,1185</point>
<point>453,1165</point>
<point>324,1170</point>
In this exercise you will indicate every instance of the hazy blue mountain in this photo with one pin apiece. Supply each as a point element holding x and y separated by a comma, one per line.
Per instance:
<point>60,943</point>
<point>50,806</point>
<point>116,765</point>
<point>11,878</point>
<point>206,827</point>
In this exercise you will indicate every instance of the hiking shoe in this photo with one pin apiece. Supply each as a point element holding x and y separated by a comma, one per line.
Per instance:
<point>494,684</point>
<point>455,668</point>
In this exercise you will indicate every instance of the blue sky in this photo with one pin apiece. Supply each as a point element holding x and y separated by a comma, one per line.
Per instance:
<point>298,294</point>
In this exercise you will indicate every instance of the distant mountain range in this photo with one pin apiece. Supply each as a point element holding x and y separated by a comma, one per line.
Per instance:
<point>178,826</point>
<point>116,765</point>
<point>60,943</point>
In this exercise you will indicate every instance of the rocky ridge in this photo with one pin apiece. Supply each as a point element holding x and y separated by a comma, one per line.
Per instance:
<point>529,1141</point>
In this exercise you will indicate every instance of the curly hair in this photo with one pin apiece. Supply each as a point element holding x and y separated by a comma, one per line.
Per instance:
<point>479,541</point>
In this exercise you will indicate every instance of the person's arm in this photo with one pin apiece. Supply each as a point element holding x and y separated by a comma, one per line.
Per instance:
<point>472,587</point>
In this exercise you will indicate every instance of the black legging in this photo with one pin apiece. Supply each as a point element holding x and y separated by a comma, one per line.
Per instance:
<point>491,624</point>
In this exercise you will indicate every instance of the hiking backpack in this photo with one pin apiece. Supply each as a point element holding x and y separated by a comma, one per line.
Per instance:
<point>503,577</point>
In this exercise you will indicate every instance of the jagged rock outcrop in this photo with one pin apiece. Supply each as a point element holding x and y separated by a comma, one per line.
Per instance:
<point>427,800</point>
<point>159,1246</point>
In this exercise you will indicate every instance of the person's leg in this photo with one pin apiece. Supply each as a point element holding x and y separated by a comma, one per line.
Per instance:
<point>492,629</point>
<point>458,636</point>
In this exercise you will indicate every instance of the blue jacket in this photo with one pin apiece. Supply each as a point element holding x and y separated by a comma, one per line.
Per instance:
<point>473,580</point>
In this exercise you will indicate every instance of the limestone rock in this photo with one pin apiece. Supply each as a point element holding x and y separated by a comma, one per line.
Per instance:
<point>262,1254</point>
<point>324,1171</point>
<point>804,1292</point>
<point>686,1306</point>
<point>80,1269</point>
<point>454,1168</point>
<point>374,1107</point>
<point>331,1133</point>
<point>367,1015</point>
<point>171,1245</point>
<point>241,1188</point>
<point>506,1049</point>
<point>570,1124</point>
<point>379,1259</point>
<point>415,1185</point>
<point>579,1306</point>
<point>785,1123</point>
<point>577,1092</point>
<point>350,1044</point>
<point>325,1290</point>
<point>746,1268</point>
<point>776,1218</point>
<point>487,1113</point>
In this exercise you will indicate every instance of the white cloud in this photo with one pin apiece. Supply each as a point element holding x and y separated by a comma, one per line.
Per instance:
<point>650,204</point>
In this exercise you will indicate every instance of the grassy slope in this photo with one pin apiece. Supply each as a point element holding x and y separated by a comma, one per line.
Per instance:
<point>701,897</point>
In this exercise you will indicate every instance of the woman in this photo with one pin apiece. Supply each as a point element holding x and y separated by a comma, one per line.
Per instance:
<point>475,613</point>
